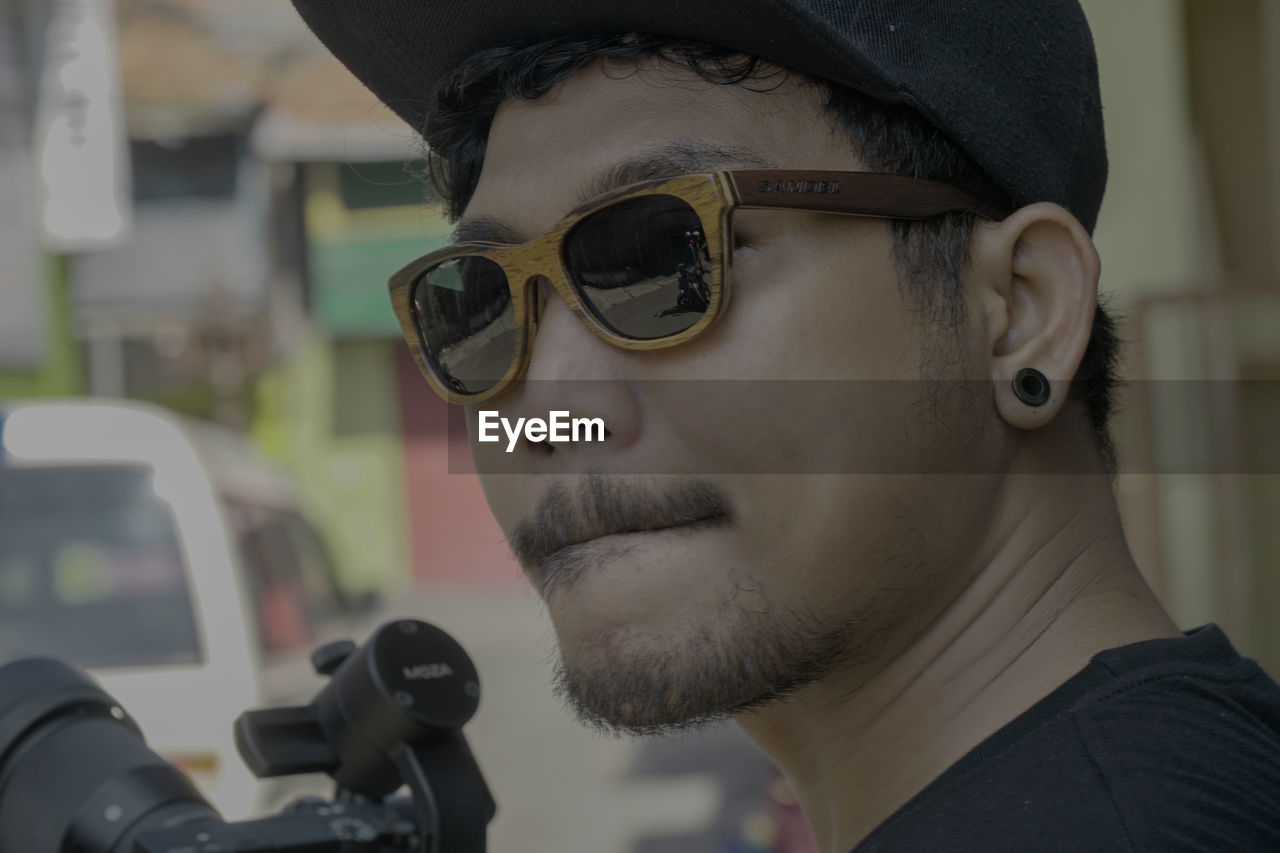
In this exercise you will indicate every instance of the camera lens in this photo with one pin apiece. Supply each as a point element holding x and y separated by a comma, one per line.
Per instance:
<point>75,773</point>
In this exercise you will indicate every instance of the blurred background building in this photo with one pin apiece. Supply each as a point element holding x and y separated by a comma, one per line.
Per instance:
<point>238,200</point>
<point>269,196</point>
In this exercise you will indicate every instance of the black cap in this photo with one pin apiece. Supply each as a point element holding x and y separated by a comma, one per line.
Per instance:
<point>1014,83</point>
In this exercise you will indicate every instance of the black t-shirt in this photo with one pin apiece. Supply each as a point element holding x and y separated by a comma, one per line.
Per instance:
<point>1166,745</point>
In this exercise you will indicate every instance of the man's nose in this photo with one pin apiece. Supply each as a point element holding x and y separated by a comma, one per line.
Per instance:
<point>571,369</point>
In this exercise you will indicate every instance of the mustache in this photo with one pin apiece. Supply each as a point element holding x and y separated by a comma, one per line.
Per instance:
<point>603,506</point>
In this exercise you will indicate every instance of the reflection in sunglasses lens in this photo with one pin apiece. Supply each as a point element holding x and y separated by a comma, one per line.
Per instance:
<point>464,313</point>
<point>642,266</point>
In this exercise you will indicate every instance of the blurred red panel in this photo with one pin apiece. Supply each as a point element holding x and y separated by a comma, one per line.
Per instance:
<point>453,538</point>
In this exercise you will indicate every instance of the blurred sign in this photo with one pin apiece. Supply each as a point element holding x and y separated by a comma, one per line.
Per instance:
<point>348,282</point>
<point>365,220</point>
<point>80,134</point>
<point>21,286</point>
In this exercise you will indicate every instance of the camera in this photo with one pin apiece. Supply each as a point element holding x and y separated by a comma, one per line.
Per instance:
<point>76,775</point>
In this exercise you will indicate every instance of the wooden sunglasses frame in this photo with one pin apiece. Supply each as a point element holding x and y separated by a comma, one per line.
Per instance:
<point>713,196</point>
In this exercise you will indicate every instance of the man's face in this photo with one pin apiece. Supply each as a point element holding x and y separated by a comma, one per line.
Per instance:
<point>763,564</point>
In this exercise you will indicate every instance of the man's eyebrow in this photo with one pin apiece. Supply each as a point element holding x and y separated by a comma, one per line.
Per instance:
<point>675,158</point>
<point>485,229</point>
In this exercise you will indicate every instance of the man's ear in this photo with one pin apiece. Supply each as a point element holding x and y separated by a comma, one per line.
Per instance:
<point>1037,294</point>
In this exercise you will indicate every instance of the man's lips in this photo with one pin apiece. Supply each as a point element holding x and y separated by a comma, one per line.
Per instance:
<point>585,552</point>
<point>588,538</point>
<point>602,506</point>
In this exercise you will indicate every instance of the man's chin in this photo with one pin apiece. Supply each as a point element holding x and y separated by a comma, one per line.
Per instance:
<point>631,703</point>
<point>656,682</point>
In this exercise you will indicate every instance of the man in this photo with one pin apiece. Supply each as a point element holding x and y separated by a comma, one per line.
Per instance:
<point>863,507</point>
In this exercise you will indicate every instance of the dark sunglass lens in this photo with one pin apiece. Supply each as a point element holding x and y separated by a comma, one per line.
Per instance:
<point>464,313</point>
<point>642,266</point>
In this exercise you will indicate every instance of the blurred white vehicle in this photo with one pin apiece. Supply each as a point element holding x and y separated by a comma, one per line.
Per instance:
<point>164,558</point>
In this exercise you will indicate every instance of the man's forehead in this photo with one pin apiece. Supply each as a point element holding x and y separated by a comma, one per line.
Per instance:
<point>674,157</point>
<point>602,130</point>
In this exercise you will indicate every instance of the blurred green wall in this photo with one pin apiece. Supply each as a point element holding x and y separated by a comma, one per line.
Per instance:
<point>60,374</point>
<point>329,414</point>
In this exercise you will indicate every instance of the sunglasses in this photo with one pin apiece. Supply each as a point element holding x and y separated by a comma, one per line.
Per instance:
<point>644,267</point>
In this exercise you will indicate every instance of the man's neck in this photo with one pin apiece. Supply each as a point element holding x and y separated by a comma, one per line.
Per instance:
<point>1058,586</point>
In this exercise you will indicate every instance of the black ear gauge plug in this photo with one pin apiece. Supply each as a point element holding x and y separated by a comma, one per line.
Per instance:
<point>1031,387</point>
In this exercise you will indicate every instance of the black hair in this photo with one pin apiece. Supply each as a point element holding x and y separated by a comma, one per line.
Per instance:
<point>930,255</point>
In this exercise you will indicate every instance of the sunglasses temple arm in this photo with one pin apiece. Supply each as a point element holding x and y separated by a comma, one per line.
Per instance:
<point>856,194</point>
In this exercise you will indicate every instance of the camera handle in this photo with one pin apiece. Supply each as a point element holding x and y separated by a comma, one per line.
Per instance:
<point>451,802</point>
<point>456,811</point>
<point>391,715</point>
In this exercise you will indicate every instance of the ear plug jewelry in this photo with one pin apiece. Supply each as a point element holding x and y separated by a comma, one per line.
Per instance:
<point>1031,387</point>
